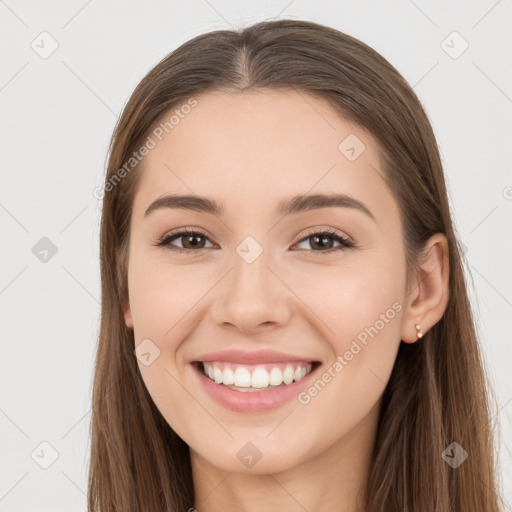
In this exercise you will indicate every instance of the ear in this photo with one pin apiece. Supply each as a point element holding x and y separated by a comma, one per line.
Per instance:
<point>127,314</point>
<point>428,296</point>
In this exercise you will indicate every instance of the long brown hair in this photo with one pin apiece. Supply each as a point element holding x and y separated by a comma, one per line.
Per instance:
<point>438,392</point>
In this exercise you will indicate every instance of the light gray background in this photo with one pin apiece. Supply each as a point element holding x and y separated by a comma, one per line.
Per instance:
<point>57,116</point>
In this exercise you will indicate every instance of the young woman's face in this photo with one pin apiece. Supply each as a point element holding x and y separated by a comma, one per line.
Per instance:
<point>262,289</point>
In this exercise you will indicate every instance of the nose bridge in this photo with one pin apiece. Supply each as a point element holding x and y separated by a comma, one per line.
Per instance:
<point>250,267</point>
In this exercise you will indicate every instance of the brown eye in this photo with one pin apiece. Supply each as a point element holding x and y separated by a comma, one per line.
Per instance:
<point>319,242</point>
<point>322,242</point>
<point>192,241</point>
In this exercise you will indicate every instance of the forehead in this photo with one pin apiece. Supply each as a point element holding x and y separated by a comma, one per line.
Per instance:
<point>260,146</point>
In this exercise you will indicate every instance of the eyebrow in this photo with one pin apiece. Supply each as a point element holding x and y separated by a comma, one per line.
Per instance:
<point>295,204</point>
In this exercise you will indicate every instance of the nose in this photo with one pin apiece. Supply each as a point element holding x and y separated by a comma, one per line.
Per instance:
<point>252,298</point>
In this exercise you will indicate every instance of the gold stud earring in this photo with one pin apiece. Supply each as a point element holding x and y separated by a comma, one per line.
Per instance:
<point>419,334</point>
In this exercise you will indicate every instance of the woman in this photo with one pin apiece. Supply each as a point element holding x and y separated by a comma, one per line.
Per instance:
<point>285,321</point>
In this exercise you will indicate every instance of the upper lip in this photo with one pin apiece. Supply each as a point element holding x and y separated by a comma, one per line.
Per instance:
<point>251,357</point>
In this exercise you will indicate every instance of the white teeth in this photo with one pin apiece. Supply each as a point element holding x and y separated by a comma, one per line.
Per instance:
<point>259,378</point>
<point>229,376</point>
<point>288,375</point>
<point>242,378</point>
<point>275,377</point>
<point>217,375</point>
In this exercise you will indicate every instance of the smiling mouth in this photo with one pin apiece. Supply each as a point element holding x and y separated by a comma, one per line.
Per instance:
<point>256,378</point>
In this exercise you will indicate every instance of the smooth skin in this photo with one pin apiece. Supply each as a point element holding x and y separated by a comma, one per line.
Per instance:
<point>249,151</point>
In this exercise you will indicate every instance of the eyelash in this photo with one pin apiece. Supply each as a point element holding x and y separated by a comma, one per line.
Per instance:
<point>345,243</point>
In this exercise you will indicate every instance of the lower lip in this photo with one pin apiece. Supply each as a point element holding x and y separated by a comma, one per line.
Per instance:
<point>257,401</point>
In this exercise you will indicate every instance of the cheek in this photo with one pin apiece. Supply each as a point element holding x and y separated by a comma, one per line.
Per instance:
<point>160,299</point>
<point>356,299</point>
<point>166,304</point>
<point>360,309</point>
